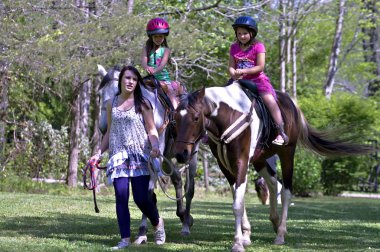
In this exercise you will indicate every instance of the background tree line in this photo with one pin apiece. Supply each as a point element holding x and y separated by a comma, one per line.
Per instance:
<point>325,54</point>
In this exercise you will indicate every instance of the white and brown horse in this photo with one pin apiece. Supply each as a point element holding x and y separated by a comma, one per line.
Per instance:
<point>234,131</point>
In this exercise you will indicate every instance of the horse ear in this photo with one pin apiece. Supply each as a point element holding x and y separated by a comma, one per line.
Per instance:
<point>202,92</point>
<point>101,70</point>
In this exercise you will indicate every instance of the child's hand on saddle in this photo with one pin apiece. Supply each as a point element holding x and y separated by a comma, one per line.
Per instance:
<point>238,74</point>
<point>155,152</point>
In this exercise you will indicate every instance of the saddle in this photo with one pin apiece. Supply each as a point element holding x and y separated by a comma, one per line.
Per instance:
<point>250,89</point>
<point>152,83</point>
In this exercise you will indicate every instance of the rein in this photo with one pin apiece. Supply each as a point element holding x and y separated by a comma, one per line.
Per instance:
<point>91,166</point>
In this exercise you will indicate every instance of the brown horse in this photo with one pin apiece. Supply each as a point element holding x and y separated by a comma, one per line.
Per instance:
<point>236,139</point>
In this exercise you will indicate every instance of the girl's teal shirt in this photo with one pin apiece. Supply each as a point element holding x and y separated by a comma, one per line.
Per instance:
<point>155,59</point>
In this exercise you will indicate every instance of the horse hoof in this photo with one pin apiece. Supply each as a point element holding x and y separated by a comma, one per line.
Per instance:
<point>279,241</point>
<point>141,240</point>
<point>246,242</point>
<point>185,231</point>
<point>238,248</point>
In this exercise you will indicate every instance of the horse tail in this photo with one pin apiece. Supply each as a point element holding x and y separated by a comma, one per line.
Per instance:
<point>320,142</point>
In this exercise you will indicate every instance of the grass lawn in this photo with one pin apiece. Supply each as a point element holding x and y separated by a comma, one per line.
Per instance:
<point>40,222</point>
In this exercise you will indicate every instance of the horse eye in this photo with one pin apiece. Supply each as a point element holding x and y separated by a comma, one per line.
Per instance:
<point>196,119</point>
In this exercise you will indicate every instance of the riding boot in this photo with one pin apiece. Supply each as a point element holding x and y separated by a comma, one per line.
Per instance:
<point>281,132</point>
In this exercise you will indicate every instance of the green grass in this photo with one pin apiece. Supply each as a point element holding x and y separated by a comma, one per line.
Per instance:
<point>40,222</point>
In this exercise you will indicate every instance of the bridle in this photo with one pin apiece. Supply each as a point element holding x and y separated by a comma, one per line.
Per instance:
<point>200,135</point>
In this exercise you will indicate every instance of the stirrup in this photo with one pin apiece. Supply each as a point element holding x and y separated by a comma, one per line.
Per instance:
<point>279,140</point>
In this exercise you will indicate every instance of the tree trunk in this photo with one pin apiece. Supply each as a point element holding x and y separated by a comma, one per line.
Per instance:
<point>205,169</point>
<point>72,173</point>
<point>95,100</point>
<point>4,87</point>
<point>335,51</point>
<point>282,46</point>
<point>130,5</point>
<point>294,73</point>
<point>85,107</point>
<point>96,136</point>
<point>371,44</point>
<point>289,39</point>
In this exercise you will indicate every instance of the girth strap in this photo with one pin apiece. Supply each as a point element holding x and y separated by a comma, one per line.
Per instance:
<point>230,134</point>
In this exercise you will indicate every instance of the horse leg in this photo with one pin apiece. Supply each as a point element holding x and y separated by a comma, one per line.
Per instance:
<point>246,229</point>
<point>190,184</point>
<point>287,164</point>
<point>239,209</point>
<point>271,181</point>
<point>177,183</point>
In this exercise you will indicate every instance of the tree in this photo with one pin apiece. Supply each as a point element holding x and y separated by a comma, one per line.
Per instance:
<point>332,69</point>
<point>371,42</point>
<point>4,86</point>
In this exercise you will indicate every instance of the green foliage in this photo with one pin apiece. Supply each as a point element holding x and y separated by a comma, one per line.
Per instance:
<point>355,118</point>
<point>14,183</point>
<point>51,45</point>
<point>342,174</point>
<point>307,173</point>
<point>43,155</point>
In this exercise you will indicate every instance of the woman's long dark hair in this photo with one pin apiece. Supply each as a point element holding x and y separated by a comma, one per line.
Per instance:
<point>139,100</point>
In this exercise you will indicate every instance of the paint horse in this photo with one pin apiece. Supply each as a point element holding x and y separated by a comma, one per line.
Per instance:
<point>108,89</point>
<point>235,133</point>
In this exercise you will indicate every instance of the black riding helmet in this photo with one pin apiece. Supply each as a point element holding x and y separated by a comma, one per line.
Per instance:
<point>246,22</point>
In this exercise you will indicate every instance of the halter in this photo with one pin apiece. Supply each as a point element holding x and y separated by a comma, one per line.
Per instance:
<point>233,131</point>
<point>201,133</point>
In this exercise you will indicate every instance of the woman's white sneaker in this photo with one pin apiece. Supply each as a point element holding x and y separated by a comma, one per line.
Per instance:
<point>122,244</point>
<point>159,233</point>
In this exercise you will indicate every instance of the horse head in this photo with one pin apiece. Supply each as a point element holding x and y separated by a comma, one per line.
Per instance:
<point>190,124</point>
<point>108,89</point>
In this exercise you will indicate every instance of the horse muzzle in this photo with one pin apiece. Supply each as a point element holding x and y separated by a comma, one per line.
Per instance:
<point>182,157</point>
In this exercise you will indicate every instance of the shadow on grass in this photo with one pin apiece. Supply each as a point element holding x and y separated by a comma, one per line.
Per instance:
<point>322,224</point>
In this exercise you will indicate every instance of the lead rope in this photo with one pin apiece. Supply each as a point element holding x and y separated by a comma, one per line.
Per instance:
<point>154,175</point>
<point>91,166</point>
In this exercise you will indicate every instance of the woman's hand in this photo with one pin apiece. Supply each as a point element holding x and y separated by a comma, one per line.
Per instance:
<point>155,152</point>
<point>95,158</point>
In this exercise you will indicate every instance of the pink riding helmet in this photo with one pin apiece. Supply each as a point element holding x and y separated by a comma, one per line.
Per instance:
<point>157,26</point>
